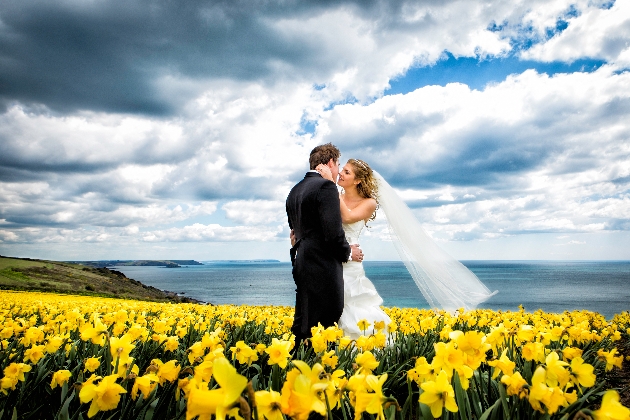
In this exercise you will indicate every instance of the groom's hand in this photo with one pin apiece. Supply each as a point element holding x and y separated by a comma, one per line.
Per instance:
<point>357,254</point>
<point>292,236</point>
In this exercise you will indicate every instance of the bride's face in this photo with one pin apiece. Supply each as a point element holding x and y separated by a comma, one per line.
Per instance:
<point>346,177</point>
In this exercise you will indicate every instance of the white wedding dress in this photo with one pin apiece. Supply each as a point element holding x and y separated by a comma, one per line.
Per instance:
<point>361,300</point>
<point>445,283</point>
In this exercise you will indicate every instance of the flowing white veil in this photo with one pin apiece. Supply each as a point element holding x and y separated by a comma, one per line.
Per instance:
<point>444,282</point>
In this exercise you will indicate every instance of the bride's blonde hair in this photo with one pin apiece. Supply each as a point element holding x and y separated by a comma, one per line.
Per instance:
<point>367,187</point>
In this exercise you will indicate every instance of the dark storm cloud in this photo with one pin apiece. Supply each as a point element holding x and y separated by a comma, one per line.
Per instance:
<point>110,55</point>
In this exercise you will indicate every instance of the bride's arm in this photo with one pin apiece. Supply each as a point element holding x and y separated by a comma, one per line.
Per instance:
<point>363,211</point>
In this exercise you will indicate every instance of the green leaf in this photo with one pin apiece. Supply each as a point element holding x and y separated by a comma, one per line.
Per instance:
<point>489,411</point>
<point>151,410</point>
<point>63,412</point>
<point>461,397</point>
<point>64,391</point>
<point>503,399</point>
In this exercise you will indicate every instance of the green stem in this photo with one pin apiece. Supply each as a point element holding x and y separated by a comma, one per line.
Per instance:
<point>328,406</point>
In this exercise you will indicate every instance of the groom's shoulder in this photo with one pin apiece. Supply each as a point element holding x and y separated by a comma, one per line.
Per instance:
<point>311,182</point>
<point>312,178</point>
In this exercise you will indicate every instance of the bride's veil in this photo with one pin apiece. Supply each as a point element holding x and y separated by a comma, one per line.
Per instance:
<point>444,282</point>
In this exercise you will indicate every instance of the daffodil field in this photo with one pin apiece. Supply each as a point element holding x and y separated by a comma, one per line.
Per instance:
<point>75,357</point>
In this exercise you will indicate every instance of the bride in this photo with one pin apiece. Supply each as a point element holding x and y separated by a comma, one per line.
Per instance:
<point>358,204</point>
<point>444,282</point>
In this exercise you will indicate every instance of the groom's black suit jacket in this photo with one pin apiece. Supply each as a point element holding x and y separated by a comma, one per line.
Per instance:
<point>321,248</point>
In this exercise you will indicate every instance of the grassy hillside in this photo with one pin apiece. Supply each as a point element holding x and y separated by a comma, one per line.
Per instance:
<point>59,277</point>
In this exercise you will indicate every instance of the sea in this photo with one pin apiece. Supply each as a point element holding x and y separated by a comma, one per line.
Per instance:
<point>553,286</point>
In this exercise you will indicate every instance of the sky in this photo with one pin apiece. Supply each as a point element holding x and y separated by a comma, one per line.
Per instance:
<point>143,129</point>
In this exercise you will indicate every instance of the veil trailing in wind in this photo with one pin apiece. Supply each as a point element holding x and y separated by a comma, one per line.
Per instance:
<point>444,282</point>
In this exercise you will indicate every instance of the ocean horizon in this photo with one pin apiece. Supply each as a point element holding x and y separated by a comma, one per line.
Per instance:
<point>601,286</point>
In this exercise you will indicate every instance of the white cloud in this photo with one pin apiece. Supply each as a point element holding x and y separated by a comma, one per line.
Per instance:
<point>251,212</point>
<point>214,233</point>
<point>531,153</point>
<point>595,33</point>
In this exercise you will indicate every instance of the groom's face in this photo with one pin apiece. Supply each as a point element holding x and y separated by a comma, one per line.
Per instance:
<point>334,168</point>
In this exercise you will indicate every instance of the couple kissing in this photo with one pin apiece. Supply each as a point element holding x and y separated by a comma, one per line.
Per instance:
<point>331,286</point>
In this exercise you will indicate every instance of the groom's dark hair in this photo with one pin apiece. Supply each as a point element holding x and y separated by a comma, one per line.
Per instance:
<point>322,154</point>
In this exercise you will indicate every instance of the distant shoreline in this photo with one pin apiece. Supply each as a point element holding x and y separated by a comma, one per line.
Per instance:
<point>135,263</point>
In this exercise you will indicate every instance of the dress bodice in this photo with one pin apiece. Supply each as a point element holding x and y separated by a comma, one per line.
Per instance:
<point>353,231</point>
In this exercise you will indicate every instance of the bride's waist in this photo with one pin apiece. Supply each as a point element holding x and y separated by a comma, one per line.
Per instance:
<point>353,264</point>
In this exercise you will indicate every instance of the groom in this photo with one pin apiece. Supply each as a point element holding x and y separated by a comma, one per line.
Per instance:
<point>319,245</point>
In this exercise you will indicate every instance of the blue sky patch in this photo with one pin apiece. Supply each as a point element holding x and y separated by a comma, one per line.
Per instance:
<point>478,73</point>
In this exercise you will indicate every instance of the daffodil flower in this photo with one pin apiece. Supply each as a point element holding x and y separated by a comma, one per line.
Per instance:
<point>439,394</point>
<point>269,406</point>
<point>103,396</point>
<point>611,408</point>
<point>60,377</point>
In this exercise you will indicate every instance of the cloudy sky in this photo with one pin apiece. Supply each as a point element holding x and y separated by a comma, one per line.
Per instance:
<point>157,129</point>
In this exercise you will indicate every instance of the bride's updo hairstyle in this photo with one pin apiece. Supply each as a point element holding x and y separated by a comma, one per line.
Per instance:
<point>367,187</point>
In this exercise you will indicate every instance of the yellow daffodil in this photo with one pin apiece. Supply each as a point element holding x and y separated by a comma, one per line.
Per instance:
<point>379,326</point>
<point>422,372</point>
<point>171,343</point>
<point>515,384</point>
<point>103,396</point>
<point>92,363</point>
<point>439,394</point>
<point>363,324</point>
<point>344,342</point>
<point>204,403</point>
<point>331,334</point>
<point>570,353</point>
<point>447,356</point>
<point>502,365</point>
<point>336,387</point>
<point>34,354</point>
<point>269,405</point>
<point>556,372</point>
<point>330,359</point>
<point>319,343</point>
<point>551,397</point>
<point>611,408</point>
<point>168,372</point>
<point>303,392</point>
<point>538,392</point>
<point>196,352</point>
<point>243,353</point>
<point>96,332</point>
<point>473,346</point>
<point>610,358</point>
<point>526,333</point>
<point>278,352</point>
<point>367,362</point>
<point>582,373</point>
<point>364,343</point>
<point>534,351</point>
<point>54,343</point>
<point>60,377</point>
<point>145,384</point>
<point>125,366</point>
<point>372,401</point>
<point>8,383</point>
<point>121,347</point>
<point>17,370</point>
<point>33,335</point>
